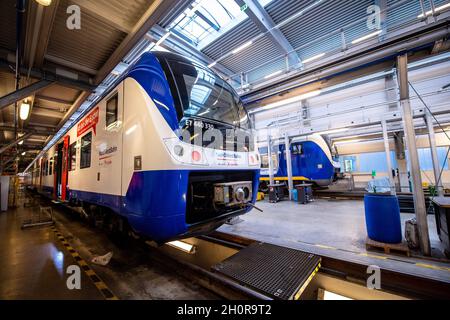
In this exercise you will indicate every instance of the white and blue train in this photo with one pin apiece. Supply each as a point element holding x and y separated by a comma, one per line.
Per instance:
<point>126,158</point>
<point>312,159</point>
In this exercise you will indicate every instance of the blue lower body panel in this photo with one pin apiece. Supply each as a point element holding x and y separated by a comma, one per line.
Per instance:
<point>155,202</point>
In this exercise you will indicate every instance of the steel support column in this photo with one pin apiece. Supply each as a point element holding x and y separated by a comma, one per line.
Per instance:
<point>269,155</point>
<point>434,156</point>
<point>287,144</point>
<point>408,123</point>
<point>387,150</point>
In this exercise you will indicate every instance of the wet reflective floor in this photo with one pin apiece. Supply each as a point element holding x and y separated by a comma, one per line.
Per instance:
<point>33,262</point>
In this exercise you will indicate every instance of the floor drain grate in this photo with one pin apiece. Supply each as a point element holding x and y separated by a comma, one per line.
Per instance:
<point>278,272</point>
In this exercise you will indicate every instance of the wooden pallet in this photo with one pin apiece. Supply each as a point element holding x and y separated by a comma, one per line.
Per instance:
<point>388,247</point>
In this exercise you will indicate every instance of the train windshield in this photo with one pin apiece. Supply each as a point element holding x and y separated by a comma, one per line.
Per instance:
<point>203,94</point>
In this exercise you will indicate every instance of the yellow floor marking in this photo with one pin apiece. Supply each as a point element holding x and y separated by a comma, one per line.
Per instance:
<point>430,266</point>
<point>373,256</point>
<point>282,178</point>
<point>325,247</point>
<point>100,285</point>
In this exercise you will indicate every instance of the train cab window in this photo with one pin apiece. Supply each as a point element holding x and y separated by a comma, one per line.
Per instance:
<point>112,111</point>
<point>72,156</point>
<point>296,149</point>
<point>85,154</point>
<point>203,94</point>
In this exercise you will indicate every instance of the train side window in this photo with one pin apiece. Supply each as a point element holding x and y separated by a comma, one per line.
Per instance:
<point>72,156</point>
<point>50,167</point>
<point>85,154</point>
<point>112,110</point>
<point>46,167</point>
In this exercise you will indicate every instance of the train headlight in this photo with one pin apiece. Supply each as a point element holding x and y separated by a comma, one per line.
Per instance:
<point>185,153</point>
<point>178,150</point>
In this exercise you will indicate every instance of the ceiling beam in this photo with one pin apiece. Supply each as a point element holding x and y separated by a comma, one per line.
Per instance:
<point>23,93</point>
<point>39,25</point>
<point>48,20</point>
<point>157,10</point>
<point>340,63</point>
<point>74,107</point>
<point>47,113</point>
<point>265,24</point>
<point>34,130</point>
<point>56,100</point>
<point>64,77</point>
<point>13,143</point>
<point>102,13</point>
<point>70,64</point>
<point>179,45</point>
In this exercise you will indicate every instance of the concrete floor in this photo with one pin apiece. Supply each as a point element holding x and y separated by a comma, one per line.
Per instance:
<point>335,228</point>
<point>33,263</point>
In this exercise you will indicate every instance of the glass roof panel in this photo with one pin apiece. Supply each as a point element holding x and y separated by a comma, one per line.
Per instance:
<point>206,19</point>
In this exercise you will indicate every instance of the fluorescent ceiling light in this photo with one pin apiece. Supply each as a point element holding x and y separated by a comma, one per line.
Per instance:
<point>348,141</point>
<point>20,142</point>
<point>212,64</point>
<point>23,153</point>
<point>24,110</point>
<point>45,3</point>
<point>367,36</point>
<point>183,246</point>
<point>314,58</point>
<point>291,100</point>
<point>333,131</point>
<point>445,6</point>
<point>245,45</point>
<point>273,74</point>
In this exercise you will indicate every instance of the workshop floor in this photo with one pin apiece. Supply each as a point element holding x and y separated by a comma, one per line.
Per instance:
<point>33,263</point>
<point>335,228</point>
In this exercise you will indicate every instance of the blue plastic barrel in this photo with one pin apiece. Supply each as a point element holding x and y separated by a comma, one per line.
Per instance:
<point>294,195</point>
<point>383,218</point>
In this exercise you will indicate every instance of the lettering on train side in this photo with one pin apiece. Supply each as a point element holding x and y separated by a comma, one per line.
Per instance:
<point>105,155</point>
<point>90,121</point>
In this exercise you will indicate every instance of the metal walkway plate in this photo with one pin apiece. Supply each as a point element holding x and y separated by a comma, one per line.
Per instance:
<point>278,272</point>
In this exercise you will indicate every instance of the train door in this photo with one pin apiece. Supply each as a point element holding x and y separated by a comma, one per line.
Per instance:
<point>64,167</point>
<point>61,169</point>
<point>58,170</point>
<point>40,172</point>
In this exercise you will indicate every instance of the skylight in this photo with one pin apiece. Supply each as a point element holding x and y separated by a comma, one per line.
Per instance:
<point>207,20</point>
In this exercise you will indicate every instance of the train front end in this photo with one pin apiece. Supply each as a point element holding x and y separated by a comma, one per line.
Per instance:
<point>208,169</point>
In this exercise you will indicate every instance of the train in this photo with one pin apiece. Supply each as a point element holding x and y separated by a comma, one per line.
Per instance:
<point>313,160</point>
<point>167,153</point>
